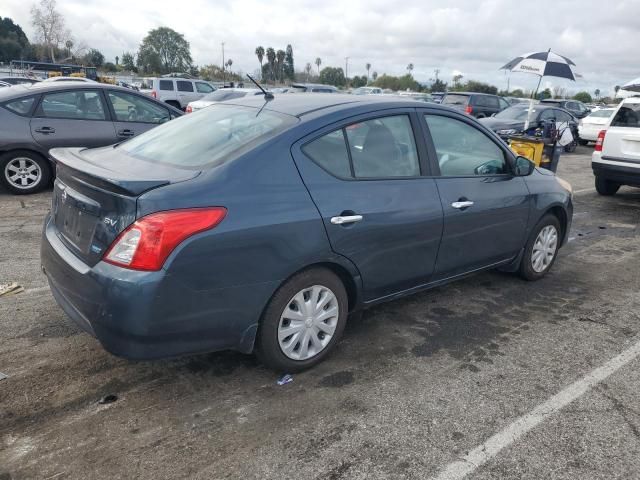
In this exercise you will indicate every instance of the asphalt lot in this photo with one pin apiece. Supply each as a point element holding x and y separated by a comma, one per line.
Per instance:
<point>415,384</point>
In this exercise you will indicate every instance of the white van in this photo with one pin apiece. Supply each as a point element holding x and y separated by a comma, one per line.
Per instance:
<point>616,159</point>
<point>177,92</point>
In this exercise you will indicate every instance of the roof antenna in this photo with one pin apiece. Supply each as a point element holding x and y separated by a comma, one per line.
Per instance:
<point>267,95</point>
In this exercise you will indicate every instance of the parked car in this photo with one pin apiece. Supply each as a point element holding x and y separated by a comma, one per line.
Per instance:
<point>511,121</point>
<point>515,100</point>
<point>4,84</point>
<point>68,79</point>
<point>260,228</point>
<point>591,125</point>
<point>127,85</point>
<point>367,91</point>
<point>221,95</point>
<point>313,87</point>
<point>616,157</point>
<point>576,108</point>
<point>45,115</point>
<point>438,96</point>
<point>177,92</point>
<point>479,105</point>
<point>19,80</point>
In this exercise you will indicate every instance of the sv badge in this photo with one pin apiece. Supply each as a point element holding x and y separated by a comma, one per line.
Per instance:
<point>110,222</point>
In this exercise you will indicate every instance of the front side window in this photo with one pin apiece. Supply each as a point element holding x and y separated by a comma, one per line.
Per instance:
<point>503,103</point>
<point>76,105</point>
<point>627,116</point>
<point>202,87</point>
<point>184,86</point>
<point>132,108</point>
<point>463,150</point>
<point>166,85</point>
<point>21,106</point>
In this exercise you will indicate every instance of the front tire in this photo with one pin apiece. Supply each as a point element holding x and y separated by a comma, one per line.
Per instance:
<point>303,322</point>
<point>606,187</point>
<point>23,172</point>
<point>541,249</point>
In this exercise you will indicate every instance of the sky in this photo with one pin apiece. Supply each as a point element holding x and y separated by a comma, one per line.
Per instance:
<point>471,37</point>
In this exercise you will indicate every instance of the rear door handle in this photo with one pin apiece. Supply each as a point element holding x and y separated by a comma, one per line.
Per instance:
<point>346,219</point>
<point>126,133</point>
<point>46,130</point>
<point>462,204</point>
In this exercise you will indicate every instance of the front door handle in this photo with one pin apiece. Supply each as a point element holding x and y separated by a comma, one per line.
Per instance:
<point>126,133</point>
<point>461,205</point>
<point>346,219</point>
<point>46,130</point>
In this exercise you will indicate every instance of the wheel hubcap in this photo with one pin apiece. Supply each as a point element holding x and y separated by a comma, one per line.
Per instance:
<point>544,248</point>
<point>308,322</point>
<point>23,173</point>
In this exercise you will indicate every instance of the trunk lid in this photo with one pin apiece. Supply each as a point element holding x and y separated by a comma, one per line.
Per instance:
<point>622,141</point>
<point>95,195</point>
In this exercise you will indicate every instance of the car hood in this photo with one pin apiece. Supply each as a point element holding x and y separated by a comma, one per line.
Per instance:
<point>496,124</point>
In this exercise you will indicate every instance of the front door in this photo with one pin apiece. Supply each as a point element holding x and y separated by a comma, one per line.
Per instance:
<point>73,118</point>
<point>379,211</point>
<point>486,208</point>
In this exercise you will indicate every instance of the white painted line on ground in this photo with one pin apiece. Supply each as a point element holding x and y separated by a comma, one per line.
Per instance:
<point>584,190</point>
<point>483,453</point>
<point>37,289</point>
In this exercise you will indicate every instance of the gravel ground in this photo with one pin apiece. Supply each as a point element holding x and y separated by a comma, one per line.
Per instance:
<point>414,385</point>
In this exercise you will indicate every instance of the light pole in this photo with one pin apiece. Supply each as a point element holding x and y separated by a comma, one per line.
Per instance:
<point>346,68</point>
<point>223,70</point>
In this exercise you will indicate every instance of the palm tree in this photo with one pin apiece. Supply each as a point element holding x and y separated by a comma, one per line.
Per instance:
<point>228,64</point>
<point>280,55</point>
<point>271,60</point>
<point>260,55</point>
<point>374,76</point>
<point>597,92</point>
<point>318,63</point>
<point>307,68</point>
<point>410,68</point>
<point>368,67</point>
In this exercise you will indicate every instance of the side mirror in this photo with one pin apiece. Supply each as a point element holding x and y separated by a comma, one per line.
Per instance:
<point>524,167</point>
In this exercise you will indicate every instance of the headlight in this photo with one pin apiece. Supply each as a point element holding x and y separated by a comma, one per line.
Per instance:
<point>509,131</point>
<point>564,184</point>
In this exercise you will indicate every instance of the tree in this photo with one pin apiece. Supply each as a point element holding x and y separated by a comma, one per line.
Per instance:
<point>438,86</point>
<point>49,26</point>
<point>583,97</point>
<point>405,82</point>
<point>128,62</point>
<point>357,81</point>
<point>214,72</point>
<point>164,50</point>
<point>94,58</point>
<point>480,87</point>
<point>307,69</point>
<point>280,56</point>
<point>318,63</point>
<point>616,88</point>
<point>228,64</point>
<point>546,93</point>
<point>289,69</point>
<point>597,93</point>
<point>14,44</point>
<point>368,67</point>
<point>332,76</point>
<point>271,60</point>
<point>456,79</point>
<point>410,68</point>
<point>374,76</point>
<point>260,55</point>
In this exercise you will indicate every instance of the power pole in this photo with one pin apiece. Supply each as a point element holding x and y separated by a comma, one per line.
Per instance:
<point>223,71</point>
<point>346,68</point>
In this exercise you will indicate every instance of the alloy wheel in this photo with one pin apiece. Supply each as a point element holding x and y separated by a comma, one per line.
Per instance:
<point>23,173</point>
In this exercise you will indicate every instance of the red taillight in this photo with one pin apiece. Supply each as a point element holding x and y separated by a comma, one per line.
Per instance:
<point>146,244</point>
<point>154,94</point>
<point>189,109</point>
<point>468,110</point>
<point>600,140</point>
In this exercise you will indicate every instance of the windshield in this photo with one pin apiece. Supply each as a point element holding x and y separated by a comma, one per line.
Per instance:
<point>604,113</point>
<point>209,137</point>
<point>454,99</point>
<point>515,113</point>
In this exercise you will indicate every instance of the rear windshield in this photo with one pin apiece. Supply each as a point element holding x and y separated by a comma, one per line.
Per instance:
<point>515,113</point>
<point>209,137</point>
<point>602,113</point>
<point>627,116</point>
<point>222,95</point>
<point>454,99</point>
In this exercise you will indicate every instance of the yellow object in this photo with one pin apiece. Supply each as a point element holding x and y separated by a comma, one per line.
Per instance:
<point>528,147</point>
<point>78,75</point>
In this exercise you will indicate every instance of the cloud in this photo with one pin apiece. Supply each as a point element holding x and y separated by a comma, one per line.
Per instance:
<point>475,36</point>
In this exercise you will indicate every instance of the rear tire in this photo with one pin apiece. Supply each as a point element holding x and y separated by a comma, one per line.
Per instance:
<point>582,142</point>
<point>24,172</point>
<point>303,322</point>
<point>606,187</point>
<point>541,249</point>
<point>570,148</point>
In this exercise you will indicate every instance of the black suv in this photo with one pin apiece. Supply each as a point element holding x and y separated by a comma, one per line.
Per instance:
<point>479,105</point>
<point>576,108</point>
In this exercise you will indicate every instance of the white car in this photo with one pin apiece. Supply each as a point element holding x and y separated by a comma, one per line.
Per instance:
<point>69,79</point>
<point>176,91</point>
<point>221,95</point>
<point>616,158</point>
<point>590,126</point>
<point>368,91</point>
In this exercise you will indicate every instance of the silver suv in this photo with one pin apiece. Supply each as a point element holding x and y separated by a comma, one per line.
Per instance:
<point>177,92</point>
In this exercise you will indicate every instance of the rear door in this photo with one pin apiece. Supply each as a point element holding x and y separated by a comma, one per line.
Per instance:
<point>72,118</point>
<point>134,114</point>
<point>486,208</point>
<point>622,141</point>
<point>368,178</point>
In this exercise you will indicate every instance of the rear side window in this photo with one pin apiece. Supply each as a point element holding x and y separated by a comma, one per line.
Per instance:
<point>627,116</point>
<point>214,136</point>
<point>166,85</point>
<point>76,105</point>
<point>21,106</point>
<point>379,148</point>
<point>454,99</point>
<point>202,87</point>
<point>184,86</point>
<point>132,108</point>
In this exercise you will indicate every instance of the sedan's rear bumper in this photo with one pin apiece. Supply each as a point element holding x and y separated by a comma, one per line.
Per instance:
<point>145,315</point>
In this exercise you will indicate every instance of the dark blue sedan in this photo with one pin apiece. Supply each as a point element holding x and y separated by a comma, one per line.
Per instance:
<point>260,225</point>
